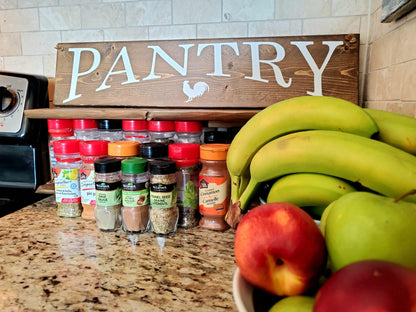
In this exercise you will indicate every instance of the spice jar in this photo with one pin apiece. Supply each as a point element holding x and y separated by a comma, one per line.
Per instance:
<point>108,193</point>
<point>162,131</point>
<point>188,131</point>
<point>135,195</point>
<point>123,149</point>
<point>153,150</point>
<point>110,129</point>
<point>136,130</point>
<point>66,178</point>
<point>59,129</point>
<point>214,186</point>
<point>186,157</point>
<point>163,210</point>
<point>90,151</point>
<point>86,129</point>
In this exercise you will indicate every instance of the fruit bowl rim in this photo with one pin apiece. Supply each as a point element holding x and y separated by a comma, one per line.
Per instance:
<point>242,292</point>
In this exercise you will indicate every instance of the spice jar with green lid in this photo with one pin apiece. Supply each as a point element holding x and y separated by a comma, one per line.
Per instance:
<point>66,178</point>
<point>135,195</point>
<point>108,193</point>
<point>164,212</point>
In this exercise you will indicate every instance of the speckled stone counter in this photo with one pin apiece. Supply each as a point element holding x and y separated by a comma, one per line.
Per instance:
<point>49,263</point>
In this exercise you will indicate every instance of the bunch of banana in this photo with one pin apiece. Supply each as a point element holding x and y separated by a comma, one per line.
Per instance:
<point>288,116</point>
<point>308,190</point>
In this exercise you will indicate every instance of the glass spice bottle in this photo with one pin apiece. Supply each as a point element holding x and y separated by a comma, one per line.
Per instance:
<point>135,195</point>
<point>86,129</point>
<point>66,178</point>
<point>162,131</point>
<point>108,193</point>
<point>110,129</point>
<point>136,130</point>
<point>153,150</point>
<point>90,151</point>
<point>123,149</point>
<point>164,212</point>
<point>186,157</point>
<point>188,131</point>
<point>59,129</point>
<point>214,186</point>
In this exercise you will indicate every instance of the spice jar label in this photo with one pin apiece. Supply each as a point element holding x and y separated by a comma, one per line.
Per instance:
<point>108,194</point>
<point>67,187</point>
<point>213,195</point>
<point>87,186</point>
<point>162,195</point>
<point>135,198</point>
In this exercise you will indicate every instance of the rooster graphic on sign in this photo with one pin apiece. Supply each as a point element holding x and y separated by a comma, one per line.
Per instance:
<point>198,90</point>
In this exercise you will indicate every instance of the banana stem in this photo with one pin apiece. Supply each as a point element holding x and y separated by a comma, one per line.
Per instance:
<point>235,186</point>
<point>247,195</point>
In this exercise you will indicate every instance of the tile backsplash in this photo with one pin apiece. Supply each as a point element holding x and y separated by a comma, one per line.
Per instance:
<point>30,30</point>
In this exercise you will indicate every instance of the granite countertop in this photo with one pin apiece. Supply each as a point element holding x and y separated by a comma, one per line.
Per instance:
<point>50,263</point>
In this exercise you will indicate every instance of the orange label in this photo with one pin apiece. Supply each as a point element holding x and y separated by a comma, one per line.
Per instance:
<point>213,195</point>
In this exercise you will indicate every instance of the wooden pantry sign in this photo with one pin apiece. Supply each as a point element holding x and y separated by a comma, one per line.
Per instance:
<point>206,73</point>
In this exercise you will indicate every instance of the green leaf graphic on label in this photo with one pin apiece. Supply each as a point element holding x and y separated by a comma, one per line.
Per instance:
<point>190,196</point>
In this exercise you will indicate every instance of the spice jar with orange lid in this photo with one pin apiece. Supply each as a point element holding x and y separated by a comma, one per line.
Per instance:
<point>214,186</point>
<point>123,149</point>
<point>90,151</point>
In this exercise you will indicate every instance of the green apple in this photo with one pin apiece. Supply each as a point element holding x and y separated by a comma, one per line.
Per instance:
<point>293,304</point>
<point>366,226</point>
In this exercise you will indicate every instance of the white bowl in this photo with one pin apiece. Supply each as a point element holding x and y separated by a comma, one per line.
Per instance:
<point>242,293</point>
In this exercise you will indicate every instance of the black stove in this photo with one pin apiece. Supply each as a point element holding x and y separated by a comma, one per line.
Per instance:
<point>24,158</point>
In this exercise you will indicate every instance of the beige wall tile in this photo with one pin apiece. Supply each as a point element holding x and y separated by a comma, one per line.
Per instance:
<point>129,34</point>
<point>331,25</point>
<point>24,64</point>
<point>302,8</point>
<point>8,4</point>
<point>148,13</point>
<point>196,11</point>
<point>73,2</point>
<point>49,65</point>
<point>10,44</point>
<point>172,32</point>
<point>275,28</point>
<point>402,108</point>
<point>60,18</point>
<point>243,10</point>
<point>82,35</point>
<point>351,7</point>
<point>19,20</point>
<point>223,30</point>
<point>408,82</point>
<point>102,15</point>
<point>38,43</point>
<point>37,3</point>
<point>406,43</point>
<point>370,86</point>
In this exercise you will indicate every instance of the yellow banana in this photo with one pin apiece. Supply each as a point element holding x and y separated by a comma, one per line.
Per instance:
<point>377,166</point>
<point>395,129</point>
<point>295,114</point>
<point>308,189</point>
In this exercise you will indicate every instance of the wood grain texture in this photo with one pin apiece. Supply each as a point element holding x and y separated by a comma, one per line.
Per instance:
<point>339,79</point>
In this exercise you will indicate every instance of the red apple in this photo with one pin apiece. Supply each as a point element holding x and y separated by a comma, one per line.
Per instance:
<point>370,286</point>
<point>278,247</point>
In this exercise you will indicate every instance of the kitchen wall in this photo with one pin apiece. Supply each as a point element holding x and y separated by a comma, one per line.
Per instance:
<point>30,30</point>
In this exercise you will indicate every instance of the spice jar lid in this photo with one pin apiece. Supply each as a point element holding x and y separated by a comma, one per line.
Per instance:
<point>85,124</point>
<point>107,164</point>
<point>134,125</point>
<point>109,124</point>
<point>162,167</point>
<point>123,148</point>
<point>214,151</point>
<point>214,136</point>
<point>93,147</point>
<point>184,150</point>
<point>134,165</point>
<point>60,127</point>
<point>153,150</point>
<point>67,146</point>
<point>161,125</point>
<point>188,126</point>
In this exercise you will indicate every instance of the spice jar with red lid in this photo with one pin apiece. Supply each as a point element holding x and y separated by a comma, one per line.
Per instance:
<point>162,131</point>
<point>188,131</point>
<point>66,178</point>
<point>214,186</point>
<point>59,129</point>
<point>136,130</point>
<point>186,157</point>
<point>90,151</point>
<point>86,129</point>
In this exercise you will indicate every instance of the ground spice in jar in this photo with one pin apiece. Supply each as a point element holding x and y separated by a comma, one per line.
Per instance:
<point>135,195</point>
<point>108,193</point>
<point>164,212</point>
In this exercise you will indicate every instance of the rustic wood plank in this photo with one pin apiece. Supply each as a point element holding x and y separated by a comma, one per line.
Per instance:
<point>104,59</point>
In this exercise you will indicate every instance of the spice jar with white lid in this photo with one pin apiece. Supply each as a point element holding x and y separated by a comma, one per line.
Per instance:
<point>162,131</point>
<point>164,212</point>
<point>186,157</point>
<point>188,131</point>
<point>135,195</point>
<point>66,178</point>
<point>90,151</point>
<point>86,129</point>
<point>214,186</point>
<point>136,130</point>
<point>108,193</point>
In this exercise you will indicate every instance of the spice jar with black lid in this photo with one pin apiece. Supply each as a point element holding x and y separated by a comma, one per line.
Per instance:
<point>135,195</point>
<point>110,129</point>
<point>108,193</point>
<point>153,150</point>
<point>164,212</point>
